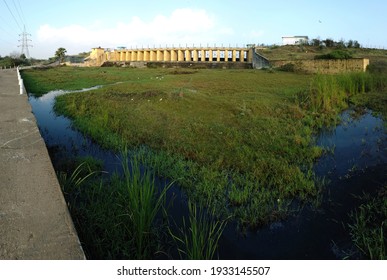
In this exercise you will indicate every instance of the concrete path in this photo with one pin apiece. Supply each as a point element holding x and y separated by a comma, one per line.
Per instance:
<point>34,219</point>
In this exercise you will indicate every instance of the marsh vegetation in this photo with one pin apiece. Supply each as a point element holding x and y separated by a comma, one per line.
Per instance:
<point>240,144</point>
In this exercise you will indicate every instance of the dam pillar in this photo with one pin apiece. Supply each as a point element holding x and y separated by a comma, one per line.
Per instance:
<point>140,55</point>
<point>152,55</point>
<point>187,55</point>
<point>180,55</point>
<point>159,55</point>
<point>195,55</point>
<point>233,55</point>
<point>173,55</point>
<point>210,55</point>
<point>242,56</point>
<point>218,55</point>
<point>146,55</point>
<point>167,55</point>
<point>203,55</point>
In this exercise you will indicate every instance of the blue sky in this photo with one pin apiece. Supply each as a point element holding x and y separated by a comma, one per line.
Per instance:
<point>80,25</point>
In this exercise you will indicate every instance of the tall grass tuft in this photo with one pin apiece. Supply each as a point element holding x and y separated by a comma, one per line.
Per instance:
<point>328,95</point>
<point>199,239</point>
<point>143,202</point>
<point>72,184</point>
<point>369,228</point>
<point>116,217</point>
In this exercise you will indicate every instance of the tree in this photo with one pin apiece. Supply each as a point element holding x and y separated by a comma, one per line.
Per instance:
<point>316,42</point>
<point>340,44</point>
<point>60,54</point>
<point>329,43</point>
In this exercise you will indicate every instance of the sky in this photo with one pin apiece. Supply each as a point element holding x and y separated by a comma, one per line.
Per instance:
<point>81,25</point>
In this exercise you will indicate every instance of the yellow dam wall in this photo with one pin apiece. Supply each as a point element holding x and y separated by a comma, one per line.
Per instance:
<point>99,56</point>
<point>220,55</point>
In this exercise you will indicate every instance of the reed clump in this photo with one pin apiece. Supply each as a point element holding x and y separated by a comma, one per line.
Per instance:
<point>198,238</point>
<point>116,217</point>
<point>369,227</point>
<point>328,95</point>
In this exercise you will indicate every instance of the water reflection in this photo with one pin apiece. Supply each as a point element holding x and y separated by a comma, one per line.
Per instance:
<point>356,163</point>
<point>61,138</point>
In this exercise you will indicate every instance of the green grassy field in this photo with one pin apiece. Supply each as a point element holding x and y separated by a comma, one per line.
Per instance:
<point>232,139</point>
<point>309,52</point>
<point>240,141</point>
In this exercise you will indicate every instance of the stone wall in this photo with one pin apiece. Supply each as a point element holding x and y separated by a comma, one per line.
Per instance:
<point>325,66</point>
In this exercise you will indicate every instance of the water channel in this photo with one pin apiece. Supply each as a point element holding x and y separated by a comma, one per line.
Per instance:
<point>357,164</point>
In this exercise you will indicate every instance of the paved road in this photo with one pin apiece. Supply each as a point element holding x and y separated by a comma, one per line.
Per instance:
<point>34,219</point>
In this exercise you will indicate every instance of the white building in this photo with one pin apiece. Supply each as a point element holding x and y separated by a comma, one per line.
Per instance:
<point>294,40</point>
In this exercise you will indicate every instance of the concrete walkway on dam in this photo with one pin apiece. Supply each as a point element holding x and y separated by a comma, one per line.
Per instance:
<point>34,220</point>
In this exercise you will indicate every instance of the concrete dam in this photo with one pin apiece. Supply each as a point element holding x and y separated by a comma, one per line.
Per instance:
<point>226,56</point>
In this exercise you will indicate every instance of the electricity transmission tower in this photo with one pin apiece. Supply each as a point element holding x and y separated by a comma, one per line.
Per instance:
<point>24,43</point>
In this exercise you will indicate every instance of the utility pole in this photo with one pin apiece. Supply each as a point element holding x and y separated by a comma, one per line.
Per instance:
<point>24,43</point>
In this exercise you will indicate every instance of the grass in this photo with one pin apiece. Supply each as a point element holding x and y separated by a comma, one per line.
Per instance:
<point>241,142</point>
<point>224,129</point>
<point>328,95</point>
<point>125,217</point>
<point>376,97</point>
<point>115,218</point>
<point>143,203</point>
<point>70,78</point>
<point>369,227</point>
<point>199,240</point>
<point>309,52</point>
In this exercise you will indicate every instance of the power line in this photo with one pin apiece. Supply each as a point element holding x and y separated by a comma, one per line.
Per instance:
<point>12,14</point>
<point>21,10</point>
<point>7,32</point>
<point>8,26</point>
<point>17,11</point>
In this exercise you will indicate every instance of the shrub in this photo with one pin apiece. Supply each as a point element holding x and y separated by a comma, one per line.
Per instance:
<point>289,67</point>
<point>337,54</point>
<point>378,67</point>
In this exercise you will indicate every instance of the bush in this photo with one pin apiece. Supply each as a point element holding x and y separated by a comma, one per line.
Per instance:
<point>378,67</point>
<point>289,67</point>
<point>337,54</point>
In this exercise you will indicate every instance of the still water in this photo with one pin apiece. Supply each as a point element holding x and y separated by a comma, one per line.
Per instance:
<point>356,163</point>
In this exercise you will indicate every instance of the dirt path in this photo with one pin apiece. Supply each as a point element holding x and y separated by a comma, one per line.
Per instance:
<point>34,219</point>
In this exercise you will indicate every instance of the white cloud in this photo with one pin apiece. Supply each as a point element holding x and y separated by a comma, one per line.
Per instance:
<point>182,26</point>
